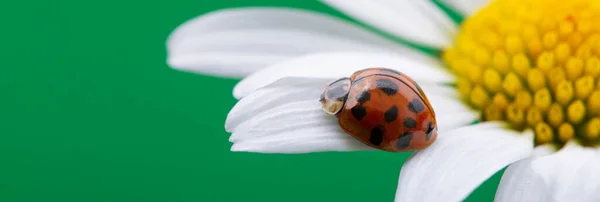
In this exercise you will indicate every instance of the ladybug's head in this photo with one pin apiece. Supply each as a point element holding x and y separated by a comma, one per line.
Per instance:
<point>334,96</point>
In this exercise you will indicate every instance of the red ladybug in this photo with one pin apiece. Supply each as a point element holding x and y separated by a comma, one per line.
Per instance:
<point>382,108</point>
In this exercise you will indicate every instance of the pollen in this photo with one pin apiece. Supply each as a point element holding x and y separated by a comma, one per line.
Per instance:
<point>593,129</point>
<point>565,132</point>
<point>534,64</point>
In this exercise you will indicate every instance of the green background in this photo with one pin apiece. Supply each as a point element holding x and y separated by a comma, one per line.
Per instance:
<point>91,112</point>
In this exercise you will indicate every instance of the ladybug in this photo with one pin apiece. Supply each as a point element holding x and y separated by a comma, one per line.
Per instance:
<point>382,108</point>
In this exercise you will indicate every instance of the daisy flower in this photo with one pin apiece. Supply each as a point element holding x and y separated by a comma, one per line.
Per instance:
<point>516,83</point>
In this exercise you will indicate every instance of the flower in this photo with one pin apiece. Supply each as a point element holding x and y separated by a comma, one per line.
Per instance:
<point>526,70</point>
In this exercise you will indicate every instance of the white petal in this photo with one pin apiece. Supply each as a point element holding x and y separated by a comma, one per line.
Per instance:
<point>446,104</point>
<point>342,64</point>
<point>237,42</point>
<point>281,92</point>
<point>572,173</point>
<point>459,161</point>
<point>286,117</point>
<point>450,111</point>
<point>298,127</point>
<point>419,21</point>
<point>467,7</point>
<point>450,121</point>
<point>433,88</point>
<point>520,184</point>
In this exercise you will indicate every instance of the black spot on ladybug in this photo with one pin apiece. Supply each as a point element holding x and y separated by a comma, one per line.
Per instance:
<point>363,97</point>
<point>429,131</point>
<point>387,86</point>
<point>358,112</point>
<point>410,122</point>
<point>376,136</point>
<point>404,140</point>
<point>391,71</point>
<point>391,114</point>
<point>429,127</point>
<point>416,106</point>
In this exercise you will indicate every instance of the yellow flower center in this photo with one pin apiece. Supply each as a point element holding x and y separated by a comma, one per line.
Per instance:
<point>534,64</point>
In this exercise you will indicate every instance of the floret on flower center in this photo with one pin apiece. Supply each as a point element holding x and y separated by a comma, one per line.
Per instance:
<point>534,64</point>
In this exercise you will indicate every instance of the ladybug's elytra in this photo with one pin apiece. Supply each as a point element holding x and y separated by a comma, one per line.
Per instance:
<point>382,108</point>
